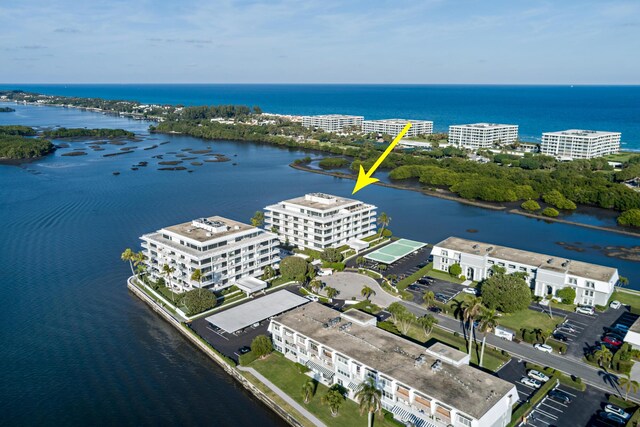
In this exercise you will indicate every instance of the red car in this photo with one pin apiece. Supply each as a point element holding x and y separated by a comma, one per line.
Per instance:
<point>612,341</point>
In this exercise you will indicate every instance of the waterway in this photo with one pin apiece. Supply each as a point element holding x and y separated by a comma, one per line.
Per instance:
<point>77,348</point>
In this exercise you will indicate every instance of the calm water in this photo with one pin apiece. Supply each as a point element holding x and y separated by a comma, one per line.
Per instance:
<point>79,349</point>
<point>536,109</point>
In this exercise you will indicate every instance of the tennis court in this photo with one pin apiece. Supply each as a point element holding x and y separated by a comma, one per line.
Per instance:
<point>394,251</point>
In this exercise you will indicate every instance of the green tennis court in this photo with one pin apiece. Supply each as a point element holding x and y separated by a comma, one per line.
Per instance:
<point>394,251</point>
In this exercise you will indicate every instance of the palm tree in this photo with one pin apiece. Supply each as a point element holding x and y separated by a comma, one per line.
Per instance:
<point>488,323</point>
<point>383,220</point>
<point>369,399</point>
<point>333,399</point>
<point>360,261</point>
<point>428,298</point>
<point>308,389</point>
<point>128,255</point>
<point>427,323</point>
<point>197,276</point>
<point>167,270</point>
<point>139,259</point>
<point>366,292</point>
<point>628,384</point>
<point>603,356</point>
<point>315,285</point>
<point>268,273</point>
<point>471,308</point>
<point>331,292</point>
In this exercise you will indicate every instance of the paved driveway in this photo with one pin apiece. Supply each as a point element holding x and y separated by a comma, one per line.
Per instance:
<point>350,285</point>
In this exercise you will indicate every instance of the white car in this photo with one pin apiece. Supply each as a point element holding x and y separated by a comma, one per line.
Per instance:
<point>543,347</point>
<point>615,305</point>
<point>312,298</point>
<point>612,409</point>
<point>585,310</point>
<point>530,382</point>
<point>537,375</point>
<point>472,291</point>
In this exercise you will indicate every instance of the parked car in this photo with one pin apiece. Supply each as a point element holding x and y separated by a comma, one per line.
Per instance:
<point>613,409</point>
<point>568,327</point>
<point>442,298</point>
<point>530,382</point>
<point>537,375</point>
<point>435,309</point>
<point>429,278</point>
<point>560,336</point>
<point>543,347</point>
<point>615,304</point>
<point>244,350</point>
<point>559,396</point>
<point>472,291</point>
<point>312,298</point>
<point>621,327</point>
<point>583,309</point>
<point>605,344</point>
<point>611,340</point>
<point>612,418</point>
<point>424,281</point>
<point>617,335</point>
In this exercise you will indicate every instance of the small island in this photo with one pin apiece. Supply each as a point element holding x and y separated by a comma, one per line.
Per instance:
<point>61,133</point>
<point>6,110</point>
<point>15,144</point>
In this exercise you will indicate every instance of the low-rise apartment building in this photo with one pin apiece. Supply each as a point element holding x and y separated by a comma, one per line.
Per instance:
<point>580,144</point>
<point>394,127</point>
<point>332,122</point>
<point>546,274</point>
<point>319,221</point>
<point>429,387</point>
<point>482,135</point>
<point>224,251</point>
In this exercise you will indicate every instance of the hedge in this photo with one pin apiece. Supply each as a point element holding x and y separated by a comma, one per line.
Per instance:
<point>402,284</point>
<point>537,397</point>
<point>620,402</point>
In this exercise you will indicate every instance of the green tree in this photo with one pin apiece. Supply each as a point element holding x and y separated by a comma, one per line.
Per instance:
<point>488,322</point>
<point>257,220</point>
<point>530,205</point>
<point>383,220</point>
<point>555,198</point>
<point>471,308</point>
<point>550,212</point>
<point>568,295</point>
<point>369,399</point>
<point>506,292</point>
<point>427,323</point>
<point>603,356</point>
<point>315,285</point>
<point>630,218</point>
<point>331,255</point>
<point>129,256</point>
<point>405,320</point>
<point>333,399</point>
<point>308,390</point>
<point>429,297</point>
<point>261,346</point>
<point>295,268</point>
<point>360,261</point>
<point>455,270</point>
<point>198,300</point>
<point>197,276</point>
<point>167,270</point>
<point>396,310</point>
<point>628,384</point>
<point>331,292</point>
<point>367,292</point>
<point>268,273</point>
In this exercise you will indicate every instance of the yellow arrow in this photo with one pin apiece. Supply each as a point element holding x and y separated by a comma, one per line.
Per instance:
<point>364,178</point>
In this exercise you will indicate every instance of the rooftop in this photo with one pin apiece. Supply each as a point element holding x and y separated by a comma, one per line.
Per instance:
<point>359,316</point>
<point>484,125</point>
<point>321,201</point>
<point>205,229</point>
<point>463,387</point>
<point>398,121</point>
<point>336,116</point>
<point>636,326</point>
<point>582,132</point>
<point>547,262</point>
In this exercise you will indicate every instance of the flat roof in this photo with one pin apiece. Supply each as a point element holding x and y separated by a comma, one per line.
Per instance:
<point>636,326</point>
<point>397,121</point>
<point>335,116</point>
<point>582,132</point>
<point>191,231</point>
<point>251,284</point>
<point>393,252</point>
<point>484,125</point>
<point>545,262</point>
<point>321,201</point>
<point>468,389</point>
<point>257,310</point>
<point>359,316</point>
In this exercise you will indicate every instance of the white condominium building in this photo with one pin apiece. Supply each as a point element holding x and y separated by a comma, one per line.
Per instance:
<point>332,122</point>
<point>429,387</point>
<point>482,135</point>
<point>546,274</point>
<point>320,221</point>
<point>580,144</point>
<point>395,126</point>
<point>224,250</point>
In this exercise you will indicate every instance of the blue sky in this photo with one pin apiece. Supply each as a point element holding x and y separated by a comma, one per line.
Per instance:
<point>320,41</point>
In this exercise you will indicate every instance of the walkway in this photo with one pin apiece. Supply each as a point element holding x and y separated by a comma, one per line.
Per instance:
<point>284,396</point>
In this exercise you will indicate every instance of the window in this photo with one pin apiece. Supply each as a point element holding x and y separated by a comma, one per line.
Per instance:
<point>276,327</point>
<point>314,346</point>
<point>444,253</point>
<point>573,281</point>
<point>387,395</point>
<point>591,285</point>
<point>464,420</point>
<point>512,266</point>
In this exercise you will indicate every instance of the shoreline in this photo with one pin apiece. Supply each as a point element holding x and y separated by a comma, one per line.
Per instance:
<point>232,371</point>
<point>470,202</point>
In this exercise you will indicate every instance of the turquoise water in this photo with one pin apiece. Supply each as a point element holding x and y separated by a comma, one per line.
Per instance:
<point>535,109</point>
<point>78,349</point>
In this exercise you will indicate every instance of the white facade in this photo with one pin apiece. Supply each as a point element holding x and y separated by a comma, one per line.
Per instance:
<point>224,250</point>
<point>332,122</point>
<point>394,126</point>
<point>432,386</point>
<point>580,144</point>
<point>482,135</point>
<point>319,221</point>
<point>594,284</point>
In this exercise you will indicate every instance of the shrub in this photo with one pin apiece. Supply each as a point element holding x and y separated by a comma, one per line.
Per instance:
<point>506,292</point>
<point>530,205</point>
<point>568,295</point>
<point>331,255</point>
<point>295,268</point>
<point>333,162</point>
<point>630,217</point>
<point>387,233</point>
<point>555,198</point>
<point>261,346</point>
<point>550,212</point>
<point>198,300</point>
<point>455,270</point>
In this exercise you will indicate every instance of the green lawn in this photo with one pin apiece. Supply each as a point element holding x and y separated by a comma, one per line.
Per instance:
<point>442,275</point>
<point>628,298</point>
<point>529,319</point>
<point>620,157</point>
<point>285,375</point>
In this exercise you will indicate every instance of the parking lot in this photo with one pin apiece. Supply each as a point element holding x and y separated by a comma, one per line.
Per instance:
<point>581,411</point>
<point>447,289</point>
<point>225,343</point>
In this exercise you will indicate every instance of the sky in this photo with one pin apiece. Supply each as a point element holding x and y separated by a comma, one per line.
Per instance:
<point>320,41</point>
